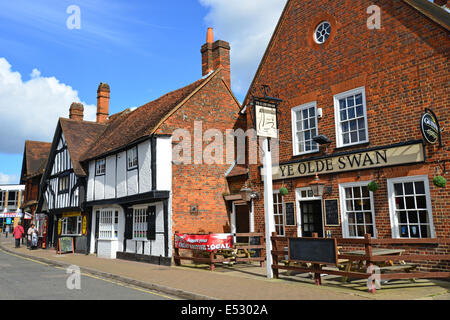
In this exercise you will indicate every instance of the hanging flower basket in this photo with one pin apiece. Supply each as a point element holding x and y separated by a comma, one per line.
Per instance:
<point>373,186</point>
<point>440,181</point>
<point>284,191</point>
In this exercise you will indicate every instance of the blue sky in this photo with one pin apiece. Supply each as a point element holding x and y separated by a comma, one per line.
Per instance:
<point>141,48</point>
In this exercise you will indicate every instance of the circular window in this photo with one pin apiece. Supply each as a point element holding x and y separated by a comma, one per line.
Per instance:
<point>322,32</point>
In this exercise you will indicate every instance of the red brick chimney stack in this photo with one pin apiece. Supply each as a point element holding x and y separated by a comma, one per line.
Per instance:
<point>216,55</point>
<point>76,111</point>
<point>103,102</point>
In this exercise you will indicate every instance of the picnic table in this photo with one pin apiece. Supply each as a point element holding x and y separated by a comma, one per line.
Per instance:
<point>384,266</point>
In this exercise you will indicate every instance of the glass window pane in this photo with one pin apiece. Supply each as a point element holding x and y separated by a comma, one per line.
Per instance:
<point>361,124</point>
<point>365,192</point>
<point>349,204</point>
<point>358,99</point>
<point>353,125</point>
<point>420,187</point>
<point>312,112</point>
<point>312,122</point>
<point>343,115</point>
<point>350,101</point>
<point>366,205</point>
<point>425,230</point>
<point>403,218</point>
<point>351,231</point>
<point>359,111</point>
<point>414,231</point>
<point>351,217</point>
<point>354,137</point>
<point>305,113</point>
<point>369,230</point>
<point>357,192</point>
<point>346,138</point>
<point>410,203</point>
<point>423,217</point>
<point>368,217</point>
<point>421,202</point>
<point>357,204</point>
<point>362,135</point>
<point>409,189</point>
<point>404,231</point>
<point>413,218</point>
<point>342,104</point>
<point>359,217</point>
<point>345,127</point>
<point>361,230</point>
<point>398,189</point>
<point>351,113</point>
<point>305,124</point>
<point>348,193</point>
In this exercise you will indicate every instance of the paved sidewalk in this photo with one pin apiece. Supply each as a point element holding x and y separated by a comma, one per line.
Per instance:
<point>244,282</point>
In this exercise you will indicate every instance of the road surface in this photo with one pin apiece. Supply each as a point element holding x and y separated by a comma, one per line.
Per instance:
<point>22,278</point>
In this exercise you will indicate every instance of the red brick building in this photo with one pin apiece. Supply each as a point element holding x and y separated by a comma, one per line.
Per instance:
<point>360,74</point>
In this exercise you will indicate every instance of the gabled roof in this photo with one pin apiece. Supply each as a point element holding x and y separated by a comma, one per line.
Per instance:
<point>128,127</point>
<point>434,12</point>
<point>79,136</point>
<point>35,158</point>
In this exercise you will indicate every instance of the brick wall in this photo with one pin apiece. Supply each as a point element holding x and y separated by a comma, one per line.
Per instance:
<point>404,68</point>
<point>202,184</point>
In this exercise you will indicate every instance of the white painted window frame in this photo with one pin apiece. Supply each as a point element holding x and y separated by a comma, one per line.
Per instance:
<point>391,196</point>
<point>100,167</point>
<point>298,198</point>
<point>64,226</point>
<point>337,116</point>
<point>283,214</point>
<point>107,225</point>
<point>343,207</point>
<point>140,223</point>
<point>295,147</point>
<point>132,156</point>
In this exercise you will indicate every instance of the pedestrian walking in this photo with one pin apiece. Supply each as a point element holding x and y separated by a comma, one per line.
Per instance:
<point>7,230</point>
<point>32,237</point>
<point>17,233</point>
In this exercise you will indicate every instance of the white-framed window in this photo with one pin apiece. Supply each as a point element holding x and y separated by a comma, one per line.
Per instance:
<point>410,207</point>
<point>357,210</point>
<point>13,200</point>
<point>63,184</point>
<point>2,199</point>
<point>322,32</point>
<point>100,167</point>
<point>278,213</point>
<point>304,128</point>
<point>71,226</point>
<point>132,158</point>
<point>140,224</point>
<point>351,118</point>
<point>108,224</point>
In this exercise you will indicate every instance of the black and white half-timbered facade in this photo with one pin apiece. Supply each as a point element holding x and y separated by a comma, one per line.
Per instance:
<point>63,185</point>
<point>129,193</point>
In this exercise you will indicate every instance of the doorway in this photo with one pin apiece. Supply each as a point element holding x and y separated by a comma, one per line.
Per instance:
<point>240,220</point>
<point>311,218</point>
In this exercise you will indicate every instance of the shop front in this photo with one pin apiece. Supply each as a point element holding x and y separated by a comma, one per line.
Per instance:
<point>73,225</point>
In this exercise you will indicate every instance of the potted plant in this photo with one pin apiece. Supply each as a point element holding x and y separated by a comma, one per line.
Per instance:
<point>373,186</point>
<point>284,191</point>
<point>440,181</point>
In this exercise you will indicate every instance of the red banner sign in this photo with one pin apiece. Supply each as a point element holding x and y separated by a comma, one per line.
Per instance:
<point>209,242</point>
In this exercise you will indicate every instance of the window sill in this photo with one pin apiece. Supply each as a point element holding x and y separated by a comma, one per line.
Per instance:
<point>352,145</point>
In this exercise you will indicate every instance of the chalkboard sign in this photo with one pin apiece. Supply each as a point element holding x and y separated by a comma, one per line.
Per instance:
<point>290,213</point>
<point>331,212</point>
<point>65,244</point>
<point>81,245</point>
<point>313,250</point>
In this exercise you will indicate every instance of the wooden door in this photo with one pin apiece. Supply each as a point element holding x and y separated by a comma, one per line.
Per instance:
<point>311,217</point>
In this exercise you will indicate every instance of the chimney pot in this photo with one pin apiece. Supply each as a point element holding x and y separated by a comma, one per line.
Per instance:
<point>216,55</point>
<point>210,36</point>
<point>103,93</point>
<point>76,111</point>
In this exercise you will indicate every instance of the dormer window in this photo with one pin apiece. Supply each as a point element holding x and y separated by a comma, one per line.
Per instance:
<point>132,158</point>
<point>100,167</point>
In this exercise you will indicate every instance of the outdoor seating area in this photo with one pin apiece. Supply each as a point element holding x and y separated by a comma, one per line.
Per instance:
<point>373,262</point>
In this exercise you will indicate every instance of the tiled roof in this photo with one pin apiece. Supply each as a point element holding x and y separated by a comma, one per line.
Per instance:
<point>130,126</point>
<point>35,157</point>
<point>80,135</point>
<point>238,170</point>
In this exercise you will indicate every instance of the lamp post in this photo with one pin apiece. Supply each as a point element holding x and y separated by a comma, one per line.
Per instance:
<point>265,119</point>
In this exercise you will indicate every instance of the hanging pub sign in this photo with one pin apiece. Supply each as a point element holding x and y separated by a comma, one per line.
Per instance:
<point>429,125</point>
<point>266,119</point>
<point>379,157</point>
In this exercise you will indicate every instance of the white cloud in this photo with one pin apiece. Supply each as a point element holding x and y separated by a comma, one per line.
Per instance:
<point>29,110</point>
<point>248,26</point>
<point>8,179</point>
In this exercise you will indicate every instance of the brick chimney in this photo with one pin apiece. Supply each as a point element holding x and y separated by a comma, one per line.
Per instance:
<point>76,111</point>
<point>215,55</point>
<point>103,102</point>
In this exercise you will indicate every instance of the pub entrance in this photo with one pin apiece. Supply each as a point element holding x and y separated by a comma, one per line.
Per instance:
<point>240,219</point>
<point>311,218</point>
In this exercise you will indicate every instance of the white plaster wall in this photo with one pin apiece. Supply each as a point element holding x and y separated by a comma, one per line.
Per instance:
<point>99,188</point>
<point>132,182</point>
<point>110,177</point>
<point>107,249</point>
<point>164,163</point>
<point>92,245</point>
<point>90,183</point>
<point>145,163</point>
<point>121,175</point>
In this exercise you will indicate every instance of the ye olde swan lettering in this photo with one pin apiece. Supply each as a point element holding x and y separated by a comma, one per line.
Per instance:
<point>383,157</point>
